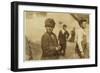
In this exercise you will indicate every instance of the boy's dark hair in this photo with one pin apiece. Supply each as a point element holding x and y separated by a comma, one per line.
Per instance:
<point>81,21</point>
<point>49,22</point>
<point>64,25</point>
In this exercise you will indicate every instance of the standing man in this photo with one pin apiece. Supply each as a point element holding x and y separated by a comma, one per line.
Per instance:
<point>49,43</point>
<point>63,37</point>
<point>81,39</point>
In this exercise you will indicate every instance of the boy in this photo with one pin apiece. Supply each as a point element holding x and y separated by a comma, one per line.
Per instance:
<point>81,39</point>
<point>63,37</point>
<point>49,43</point>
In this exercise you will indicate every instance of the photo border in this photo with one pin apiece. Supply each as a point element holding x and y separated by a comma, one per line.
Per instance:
<point>14,35</point>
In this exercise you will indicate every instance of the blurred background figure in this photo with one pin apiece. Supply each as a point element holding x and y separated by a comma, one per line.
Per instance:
<point>72,35</point>
<point>62,38</point>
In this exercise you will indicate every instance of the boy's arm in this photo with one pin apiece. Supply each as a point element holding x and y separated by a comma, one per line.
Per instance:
<point>44,42</point>
<point>69,35</point>
<point>80,46</point>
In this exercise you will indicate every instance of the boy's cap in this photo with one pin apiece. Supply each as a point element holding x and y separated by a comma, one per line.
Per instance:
<point>64,25</point>
<point>49,22</point>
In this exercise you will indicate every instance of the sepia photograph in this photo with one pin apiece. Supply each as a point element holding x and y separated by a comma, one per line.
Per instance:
<point>52,35</point>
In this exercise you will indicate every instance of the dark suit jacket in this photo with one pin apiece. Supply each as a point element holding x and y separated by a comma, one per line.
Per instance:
<point>62,37</point>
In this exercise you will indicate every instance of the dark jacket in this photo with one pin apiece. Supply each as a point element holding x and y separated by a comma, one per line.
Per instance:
<point>48,44</point>
<point>72,36</point>
<point>62,37</point>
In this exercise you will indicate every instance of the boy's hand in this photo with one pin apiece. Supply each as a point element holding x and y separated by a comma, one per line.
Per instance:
<point>58,48</point>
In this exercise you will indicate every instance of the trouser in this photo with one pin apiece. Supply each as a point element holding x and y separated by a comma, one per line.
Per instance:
<point>63,48</point>
<point>85,50</point>
<point>78,51</point>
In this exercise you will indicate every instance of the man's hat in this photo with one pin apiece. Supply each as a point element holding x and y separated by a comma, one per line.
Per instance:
<point>49,22</point>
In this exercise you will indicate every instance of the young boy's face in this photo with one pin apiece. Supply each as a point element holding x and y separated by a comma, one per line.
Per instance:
<point>84,24</point>
<point>64,28</point>
<point>49,29</point>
